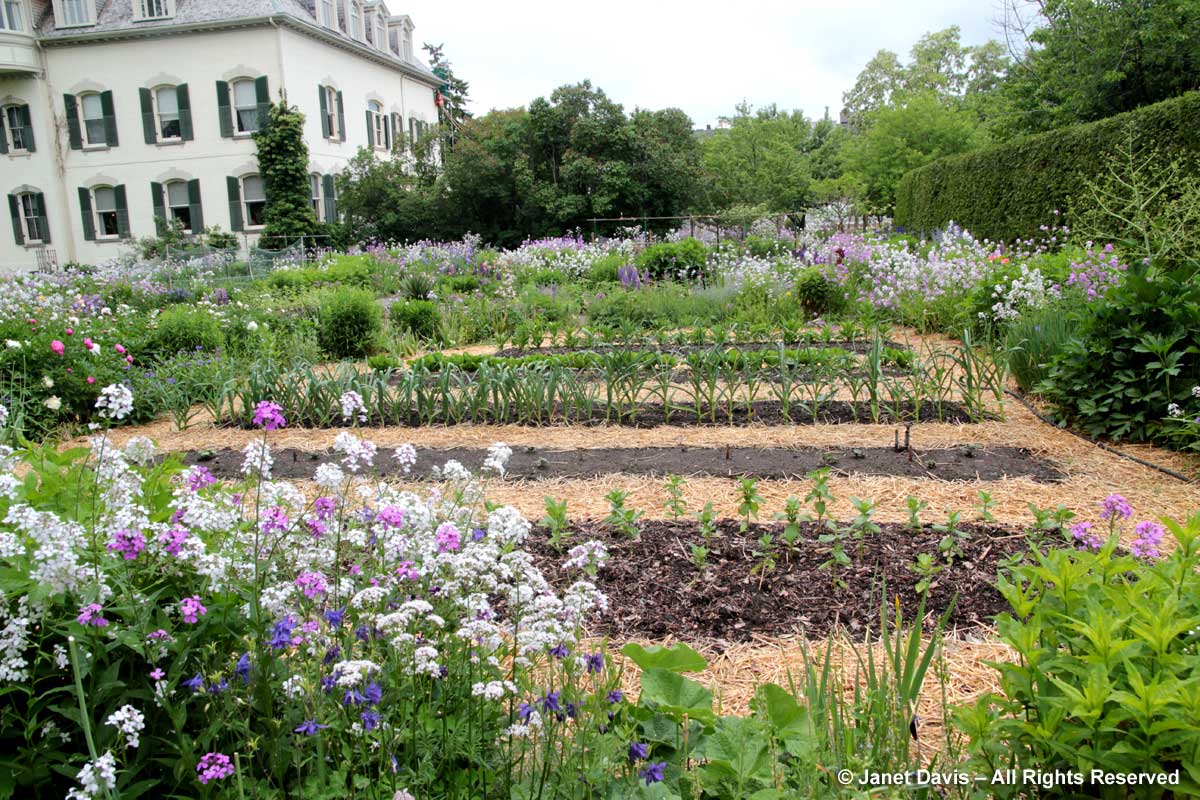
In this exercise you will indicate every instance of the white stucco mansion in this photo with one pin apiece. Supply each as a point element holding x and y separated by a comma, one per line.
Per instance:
<point>115,113</point>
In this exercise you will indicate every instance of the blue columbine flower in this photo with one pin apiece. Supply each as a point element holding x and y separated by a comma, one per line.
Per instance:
<point>327,683</point>
<point>309,727</point>
<point>217,688</point>
<point>334,616</point>
<point>595,662</point>
<point>352,697</point>
<point>524,712</point>
<point>373,694</point>
<point>331,655</point>
<point>615,696</point>
<point>370,720</point>
<point>638,751</point>
<point>242,670</point>
<point>196,684</point>
<point>560,650</point>
<point>362,633</point>
<point>281,633</point>
<point>653,773</point>
<point>550,702</point>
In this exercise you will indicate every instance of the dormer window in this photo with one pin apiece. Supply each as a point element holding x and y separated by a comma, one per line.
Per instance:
<point>406,39</point>
<point>356,20</point>
<point>10,16</point>
<point>381,39</point>
<point>329,14</point>
<point>153,9</point>
<point>74,13</point>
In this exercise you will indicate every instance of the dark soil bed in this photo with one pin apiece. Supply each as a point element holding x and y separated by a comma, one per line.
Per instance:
<point>967,462</point>
<point>853,346</point>
<point>652,415</point>
<point>654,590</point>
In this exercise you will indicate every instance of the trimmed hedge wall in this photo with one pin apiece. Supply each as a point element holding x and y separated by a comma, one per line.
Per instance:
<point>1010,190</point>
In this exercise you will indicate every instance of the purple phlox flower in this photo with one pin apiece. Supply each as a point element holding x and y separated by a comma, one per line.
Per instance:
<point>309,727</point>
<point>1116,506</point>
<point>157,674</point>
<point>269,415</point>
<point>214,766</point>
<point>391,516</point>
<point>90,615</point>
<point>127,542</point>
<point>274,519</point>
<point>324,507</point>
<point>311,584</point>
<point>407,571</point>
<point>638,751</point>
<point>172,540</point>
<point>653,773</point>
<point>192,609</point>
<point>160,636</point>
<point>198,477</point>
<point>1149,537</point>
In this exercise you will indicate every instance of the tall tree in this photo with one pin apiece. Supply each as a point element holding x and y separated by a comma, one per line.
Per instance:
<point>760,158</point>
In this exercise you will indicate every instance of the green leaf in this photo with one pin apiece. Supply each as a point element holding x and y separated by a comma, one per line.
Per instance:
<point>672,694</point>
<point>677,658</point>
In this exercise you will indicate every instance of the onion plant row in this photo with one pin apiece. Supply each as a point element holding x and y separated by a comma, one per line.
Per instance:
<point>716,386</point>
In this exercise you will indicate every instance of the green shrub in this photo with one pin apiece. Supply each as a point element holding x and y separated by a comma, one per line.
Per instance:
<point>604,269</point>
<point>348,323</point>
<point>1010,190</point>
<point>766,247</point>
<point>684,260</point>
<point>383,362</point>
<point>814,292</point>
<point>182,329</point>
<point>418,317</point>
<point>1106,678</point>
<point>460,284</point>
<point>416,286</point>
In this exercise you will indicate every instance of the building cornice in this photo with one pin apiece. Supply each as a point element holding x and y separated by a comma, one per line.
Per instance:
<point>283,20</point>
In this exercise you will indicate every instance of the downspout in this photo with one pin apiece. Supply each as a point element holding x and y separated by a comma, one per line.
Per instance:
<point>279,55</point>
<point>64,205</point>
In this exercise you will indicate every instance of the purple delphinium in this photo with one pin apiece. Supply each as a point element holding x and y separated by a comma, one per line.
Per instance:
<point>1149,537</point>
<point>653,773</point>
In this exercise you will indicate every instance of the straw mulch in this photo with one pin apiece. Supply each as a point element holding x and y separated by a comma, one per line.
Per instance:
<point>735,673</point>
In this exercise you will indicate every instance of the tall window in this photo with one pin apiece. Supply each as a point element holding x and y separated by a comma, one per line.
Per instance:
<point>10,16</point>
<point>13,119</point>
<point>331,113</point>
<point>254,201</point>
<point>378,125</point>
<point>407,39</point>
<point>155,9</point>
<point>166,100</point>
<point>356,20</point>
<point>178,208</point>
<point>104,201</point>
<point>381,39</point>
<point>75,12</point>
<point>91,110</point>
<point>329,14</point>
<point>30,220</point>
<point>245,104</point>
<point>315,182</point>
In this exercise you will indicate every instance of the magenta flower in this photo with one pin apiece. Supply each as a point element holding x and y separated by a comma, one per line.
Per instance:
<point>1083,535</point>
<point>1116,506</point>
<point>192,609</point>
<point>274,519</point>
<point>447,538</point>
<point>1149,537</point>
<point>311,583</point>
<point>128,543</point>
<point>58,347</point>
<point>214,767</point>
<point>120,349</point>
<point>172,540</point>
<point>90,615</point>
<point>198,477</point>
<point>269,415</point>
<point>158,674</point>
<point>391,516</point>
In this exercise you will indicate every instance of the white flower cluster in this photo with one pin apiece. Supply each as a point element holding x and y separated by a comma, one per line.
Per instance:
<point>358,453</point>
<point>257,459</point>
<point>130,722</point>
<point>97,778</point>
<point>140,450</point>
<point>115,402</point>
<point>406,454</point>
<point>588,556</point>
<point>353,407</point>
<point>354,673</point>
<point>1029,290</point>
<point>497,457</point>
<point>14,642</point>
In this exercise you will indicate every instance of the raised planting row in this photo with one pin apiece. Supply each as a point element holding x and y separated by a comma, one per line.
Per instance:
<point>859,346</point>
<point>956,386</point>
<point>966,462</point>
<point>719,579</point>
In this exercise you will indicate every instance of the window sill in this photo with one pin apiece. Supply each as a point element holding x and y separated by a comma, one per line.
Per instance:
<point>108,240</point>
<point>168,142</point>
<point>34,245</point>
<point>244,135</point>
<point>95,148</point>
<point>153,19</point>
<point>19,154</point>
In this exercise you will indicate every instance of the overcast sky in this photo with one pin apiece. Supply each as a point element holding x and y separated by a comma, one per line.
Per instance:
<point>701,56</point>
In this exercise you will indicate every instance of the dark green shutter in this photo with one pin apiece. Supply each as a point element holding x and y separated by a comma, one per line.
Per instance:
<point>110,118</point>
<point>14,208</point>
<point>85,213</point>
<point>412,131</point>
<point>122,211</point>
<point>39,211</point>
<point>370,130</point>
<point>149,129</point>
<point>235,204</point>
<point>160,207</point>
<point>224,113</point>
<point>324,113</point>
<point>3,135</point>
<point>73,132</point>
<point>341,109</point>
<point>387,131</point>
<point>194,206</point>
<point>397,129</point>
<point>27,123</point>
<point>185,112</point>
<point>330,201</point>
<point>263,95</point>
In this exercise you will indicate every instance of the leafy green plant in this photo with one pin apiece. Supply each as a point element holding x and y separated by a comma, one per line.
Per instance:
<point>418,317</point>
<point>674,485</point>
<point>925,568</point>
<point>184,330</point>
<point>556,521</point>
<point>915,506</point>
<point>624,520</point>
<point>348,323</point>
<point>751,501</point>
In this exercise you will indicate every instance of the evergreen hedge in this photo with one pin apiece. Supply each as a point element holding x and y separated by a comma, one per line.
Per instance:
<point>1010,190</point>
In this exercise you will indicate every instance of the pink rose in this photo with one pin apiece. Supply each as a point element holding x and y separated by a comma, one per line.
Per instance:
<point>119,348</point>
<point>70,331</point>
<point>58,347</point>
